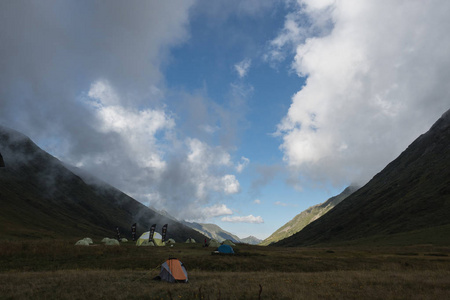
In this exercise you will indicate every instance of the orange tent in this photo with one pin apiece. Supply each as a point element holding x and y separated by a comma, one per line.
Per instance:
<point>173,270</point>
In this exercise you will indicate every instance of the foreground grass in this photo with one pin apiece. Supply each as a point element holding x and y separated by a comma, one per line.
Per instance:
<point>127,284</point>
<point>59,270</point>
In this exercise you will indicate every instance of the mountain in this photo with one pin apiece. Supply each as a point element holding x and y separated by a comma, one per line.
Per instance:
<point>408,202</point>
<point>307,216</point>
<point>41,198</point>
<point>213,231</point>
<point>2,163</point>
<point>251,240</point>
<point>166,214</point>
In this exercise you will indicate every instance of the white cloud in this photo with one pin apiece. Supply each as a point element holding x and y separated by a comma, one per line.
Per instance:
<point>243,219</point>
<point>209,129</point>
<point>314,5</point>
<point>202,155</point>
<point>137,129</point>
<point>375,82</point>
<point>295,32</point>
<point>216,211</point>
<point>156,168</point>
<point>279,203</point>
<point>257,201</point>
<point>201,159</point>
<point>242,164</point>
<point>243,67</point>
<point>102,91</point>
<point>230,184</point>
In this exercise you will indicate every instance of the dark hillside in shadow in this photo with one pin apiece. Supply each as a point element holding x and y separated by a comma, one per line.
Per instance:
<point>42,198</point>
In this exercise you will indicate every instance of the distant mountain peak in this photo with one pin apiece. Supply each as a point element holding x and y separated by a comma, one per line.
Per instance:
<point>213,231</point>
<point>251,240</point>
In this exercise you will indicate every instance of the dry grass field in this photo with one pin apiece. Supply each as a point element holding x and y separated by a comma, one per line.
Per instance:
<point>60,270</point>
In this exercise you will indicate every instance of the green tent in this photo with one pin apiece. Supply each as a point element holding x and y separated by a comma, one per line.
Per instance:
<point>143,239</point>
<point>190,240</point>
<point>170,241</point>
<point>146,243</point>
<point>88,240</point>
<point>228,242</point>
<point>213,243</point>
<point>112,242</point>
<point>82,243</point>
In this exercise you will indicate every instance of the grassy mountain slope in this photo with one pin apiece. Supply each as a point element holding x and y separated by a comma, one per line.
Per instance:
<point>410,199</point>
<point>251,240</point>
<point>40,198</point>
<point>213,231</point>
<point>307,216</point>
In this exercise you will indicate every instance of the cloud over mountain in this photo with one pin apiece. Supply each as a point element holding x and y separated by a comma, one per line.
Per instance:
<point>84,80</point>
<point>243,219</point>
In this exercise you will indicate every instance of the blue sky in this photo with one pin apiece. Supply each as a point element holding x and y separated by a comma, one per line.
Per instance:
<point>238,113</point>
<point>206,63</point>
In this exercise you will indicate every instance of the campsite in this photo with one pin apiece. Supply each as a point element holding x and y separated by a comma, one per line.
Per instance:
<point>56,269</point>
<point>230,149</point>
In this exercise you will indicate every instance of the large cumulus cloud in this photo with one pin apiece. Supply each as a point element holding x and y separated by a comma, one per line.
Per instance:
<point>377,74</point>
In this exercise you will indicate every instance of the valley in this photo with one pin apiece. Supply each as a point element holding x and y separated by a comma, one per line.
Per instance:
<point>60,270</point>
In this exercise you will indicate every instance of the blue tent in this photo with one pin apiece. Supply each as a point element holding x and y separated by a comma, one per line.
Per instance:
<point>225,249</point>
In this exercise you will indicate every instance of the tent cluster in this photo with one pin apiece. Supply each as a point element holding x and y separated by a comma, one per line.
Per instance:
<point>143,240</point>
<point>106,241</point>
<point>172,270</point>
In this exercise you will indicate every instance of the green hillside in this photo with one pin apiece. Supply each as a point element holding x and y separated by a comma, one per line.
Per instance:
<point>307,216</point>
<point>407,202</point>
<point>41,198</point>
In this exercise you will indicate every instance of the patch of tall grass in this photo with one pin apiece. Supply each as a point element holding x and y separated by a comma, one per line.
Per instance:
<point>128,284</point>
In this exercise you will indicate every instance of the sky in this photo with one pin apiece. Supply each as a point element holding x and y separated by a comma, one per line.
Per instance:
<point>237,113</point>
